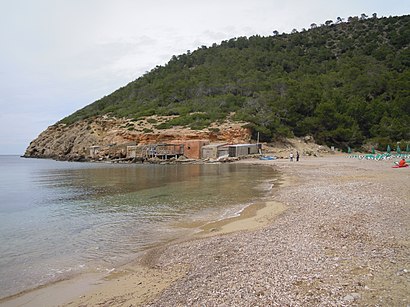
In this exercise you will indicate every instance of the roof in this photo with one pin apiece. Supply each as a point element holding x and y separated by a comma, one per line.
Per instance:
<point>214,145</point>
<point>243,145</point>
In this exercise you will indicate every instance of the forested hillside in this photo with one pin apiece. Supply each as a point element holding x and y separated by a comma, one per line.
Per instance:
<point>342,82</point>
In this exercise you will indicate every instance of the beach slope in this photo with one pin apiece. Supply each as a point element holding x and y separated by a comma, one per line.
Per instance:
<point>344,239</point>
<point>336,233</point>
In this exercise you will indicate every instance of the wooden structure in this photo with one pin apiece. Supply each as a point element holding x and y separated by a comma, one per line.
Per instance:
<point>160,151</point>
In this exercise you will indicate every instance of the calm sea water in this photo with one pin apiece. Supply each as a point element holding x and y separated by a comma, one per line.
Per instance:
<point>58,219</point>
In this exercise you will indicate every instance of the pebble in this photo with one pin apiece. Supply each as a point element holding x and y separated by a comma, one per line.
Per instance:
<point>351,297</point>
<point>314,254</point>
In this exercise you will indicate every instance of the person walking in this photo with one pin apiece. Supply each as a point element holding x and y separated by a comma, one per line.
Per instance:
<point>291,157</point>
<point>297,156</point>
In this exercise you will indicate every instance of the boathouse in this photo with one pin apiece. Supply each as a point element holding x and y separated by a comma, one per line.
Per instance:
<point>193,148</point>
<point>160,151</point>
<point>94,150</point>
<point>240,150</point>
<point>214,151</point>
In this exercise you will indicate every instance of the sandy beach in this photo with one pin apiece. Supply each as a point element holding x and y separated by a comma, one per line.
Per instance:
<point>337,233</point>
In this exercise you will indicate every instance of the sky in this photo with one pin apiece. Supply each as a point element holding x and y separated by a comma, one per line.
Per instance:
<point>57,56</point>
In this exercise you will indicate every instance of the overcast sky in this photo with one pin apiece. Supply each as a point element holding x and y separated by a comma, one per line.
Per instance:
<point>57,56</point>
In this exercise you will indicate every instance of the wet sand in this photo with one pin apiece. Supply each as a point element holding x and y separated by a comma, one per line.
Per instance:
<point>141,281</point>
<point>336,233</point>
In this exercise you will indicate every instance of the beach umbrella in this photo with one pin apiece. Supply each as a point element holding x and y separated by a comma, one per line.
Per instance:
<point>398,150</point>
<point>373,151</point>
<point>388,149</point>
<point>408,148</point>
<point>349,150</point>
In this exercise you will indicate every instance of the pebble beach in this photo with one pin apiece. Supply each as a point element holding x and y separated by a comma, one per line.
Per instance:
<point>344,240</point>
<point>336,233</point>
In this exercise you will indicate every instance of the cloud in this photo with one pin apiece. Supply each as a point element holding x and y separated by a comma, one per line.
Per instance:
<point>58,56</point>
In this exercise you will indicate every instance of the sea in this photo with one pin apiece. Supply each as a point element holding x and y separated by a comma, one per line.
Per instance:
<point>60,219</point>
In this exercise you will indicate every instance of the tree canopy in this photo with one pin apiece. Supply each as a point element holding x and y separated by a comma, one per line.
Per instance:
<point>341,82</point>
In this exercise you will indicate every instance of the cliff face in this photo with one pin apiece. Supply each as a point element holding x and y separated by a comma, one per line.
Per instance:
<point>112,135</point>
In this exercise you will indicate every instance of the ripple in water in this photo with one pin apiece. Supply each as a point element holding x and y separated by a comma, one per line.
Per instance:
<point>59,219</point>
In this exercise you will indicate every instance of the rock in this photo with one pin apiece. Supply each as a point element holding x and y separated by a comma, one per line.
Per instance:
<point>112,136</point>
<point>402,272</point>
<point>351,297</point>
<point>308,139</point>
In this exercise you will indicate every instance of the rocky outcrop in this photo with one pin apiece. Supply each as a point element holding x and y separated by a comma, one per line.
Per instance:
<point>112,135</point>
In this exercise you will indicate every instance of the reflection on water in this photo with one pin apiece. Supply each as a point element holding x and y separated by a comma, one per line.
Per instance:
<point>60,218</point>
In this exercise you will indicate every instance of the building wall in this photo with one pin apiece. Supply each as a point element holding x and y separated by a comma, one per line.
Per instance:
<point>214,151</point>
<point>193,149</point>
<point>131,151</point>
<point>243,150</point>
<point>223,151</point>
<point>94,150</point>
<point>210,152</point>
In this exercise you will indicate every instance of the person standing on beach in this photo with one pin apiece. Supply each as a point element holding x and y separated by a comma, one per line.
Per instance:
<point>291,157</point>
<point>297,156</point>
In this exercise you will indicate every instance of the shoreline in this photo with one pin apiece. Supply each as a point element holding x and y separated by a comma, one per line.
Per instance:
<point>337,243</point>
<point>344,240</point>
<point>141,271</point>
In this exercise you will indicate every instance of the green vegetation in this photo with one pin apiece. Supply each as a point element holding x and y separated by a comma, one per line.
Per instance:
<point>342,82</point>
<point>146,130</point>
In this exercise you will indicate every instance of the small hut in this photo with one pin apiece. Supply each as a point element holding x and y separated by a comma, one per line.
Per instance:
<point>240,150</point>
<point>214,151</point>
<point>193,148</point>
<point>132,151</point>
<point>94,150</point>
<point>161,151</point>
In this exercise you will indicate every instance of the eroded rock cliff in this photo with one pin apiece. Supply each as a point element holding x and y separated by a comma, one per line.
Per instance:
<point>112,135</point>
